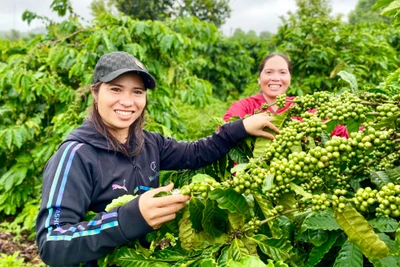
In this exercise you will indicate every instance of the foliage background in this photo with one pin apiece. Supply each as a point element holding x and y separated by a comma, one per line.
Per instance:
<point>44,78</point>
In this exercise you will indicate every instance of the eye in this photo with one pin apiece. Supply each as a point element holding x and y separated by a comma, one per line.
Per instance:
<point>115,89</point>
<point>139,92</point>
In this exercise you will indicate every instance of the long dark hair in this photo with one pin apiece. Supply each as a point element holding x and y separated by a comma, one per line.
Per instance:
<point>290,67</point>
<point>135,135</point>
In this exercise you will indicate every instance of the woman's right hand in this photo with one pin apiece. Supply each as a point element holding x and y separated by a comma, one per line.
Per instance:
<point>158,210</point>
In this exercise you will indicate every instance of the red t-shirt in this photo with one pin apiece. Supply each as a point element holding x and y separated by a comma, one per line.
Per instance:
<point>247,105</point>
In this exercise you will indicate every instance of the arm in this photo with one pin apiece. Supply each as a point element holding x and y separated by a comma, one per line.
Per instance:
<point>63,237</point>
<point>192,155</point>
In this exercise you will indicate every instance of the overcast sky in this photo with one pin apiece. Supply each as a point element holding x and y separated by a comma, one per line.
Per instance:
<point>258,15</point>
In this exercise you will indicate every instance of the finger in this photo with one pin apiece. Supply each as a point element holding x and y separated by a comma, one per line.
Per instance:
<point>267,135</point>
<point>157,223</point>
<point>272,127</point>
<point>169,200</point>
<point>166,188</point>
<point>171,209</point>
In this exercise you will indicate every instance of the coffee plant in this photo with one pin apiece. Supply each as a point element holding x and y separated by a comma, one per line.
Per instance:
<point>325,191</point>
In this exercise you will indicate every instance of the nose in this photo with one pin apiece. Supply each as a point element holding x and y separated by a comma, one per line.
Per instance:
<point>275,77</point>
<point>126,101</point>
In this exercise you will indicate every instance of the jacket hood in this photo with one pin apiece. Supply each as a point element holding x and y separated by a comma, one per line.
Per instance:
<point>87,134</point>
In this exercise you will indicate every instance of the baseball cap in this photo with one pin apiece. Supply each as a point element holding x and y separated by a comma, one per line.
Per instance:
<point>114,64</point>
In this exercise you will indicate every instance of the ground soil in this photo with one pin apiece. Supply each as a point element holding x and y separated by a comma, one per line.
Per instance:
<point>9,244</point>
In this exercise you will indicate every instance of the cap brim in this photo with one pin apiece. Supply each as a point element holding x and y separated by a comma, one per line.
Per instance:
<point>148,80</point>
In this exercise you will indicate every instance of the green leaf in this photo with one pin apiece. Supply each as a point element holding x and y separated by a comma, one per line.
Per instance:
<point>264,204</point>
<point>318,237</point>
<point>389,261</point>
<point>275,248</point>
<point>331,125</point>
<point>128,257</point>
<point>207,263</point>
<point>384,224</point>
<point>300,190</point>
<point>6,137</point>
<point>397,241</point>
<point>380,178</point>
<point>201,177</point>
<point>350,79</point>
<point>361,233</point>
<point>196,208</point>
<point>317,253</point>
<point>261,142</point>
<point>324,220</point>
<point>394,174</point>
<point>168,255</point>
<point>247,261</point>
<point>190,240</point>
<point>268,182</point>
<point>236,220</point>
<point>353,126</point>
<point>239,167</point>
<point>287,200</point>
<point>349,255</point>
<point>393,7</point>
<point>215,220</point>
<point>119,201</point>
<point>380,3</point>
<point>230,200</point>
<point>237,250</point>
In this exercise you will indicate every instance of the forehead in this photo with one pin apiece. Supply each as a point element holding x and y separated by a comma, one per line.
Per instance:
<point>276,62</point>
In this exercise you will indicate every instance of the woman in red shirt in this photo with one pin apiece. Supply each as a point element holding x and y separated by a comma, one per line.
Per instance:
<point>274,79</point>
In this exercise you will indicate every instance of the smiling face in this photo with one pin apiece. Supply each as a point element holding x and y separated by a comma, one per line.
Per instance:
<point>120,102</point>
<point>274,78</point>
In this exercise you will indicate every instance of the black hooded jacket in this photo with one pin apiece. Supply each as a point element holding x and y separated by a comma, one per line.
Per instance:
<point>84,175</point>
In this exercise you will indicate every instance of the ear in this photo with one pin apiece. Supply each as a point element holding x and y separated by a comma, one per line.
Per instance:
<point>258,80</point>
<point>93,93</point>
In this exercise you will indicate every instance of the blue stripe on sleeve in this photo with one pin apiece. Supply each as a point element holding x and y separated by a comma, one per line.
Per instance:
<point>54,184</point>
<point>82,231</point>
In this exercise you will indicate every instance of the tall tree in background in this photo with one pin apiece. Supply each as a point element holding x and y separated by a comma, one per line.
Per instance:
<point>146,9</point>
<point>364,13</point>
<point>214,11</point>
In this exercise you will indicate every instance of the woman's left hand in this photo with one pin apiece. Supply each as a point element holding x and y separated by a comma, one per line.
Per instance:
<point>255,125</point>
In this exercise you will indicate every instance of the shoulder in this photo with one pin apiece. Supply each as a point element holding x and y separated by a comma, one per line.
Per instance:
<point>72,150</point>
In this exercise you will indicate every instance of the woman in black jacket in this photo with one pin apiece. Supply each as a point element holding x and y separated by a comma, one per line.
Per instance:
<point>111,155</point>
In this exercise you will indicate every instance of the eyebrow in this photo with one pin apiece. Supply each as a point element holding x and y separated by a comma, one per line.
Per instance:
<point>119,85</point>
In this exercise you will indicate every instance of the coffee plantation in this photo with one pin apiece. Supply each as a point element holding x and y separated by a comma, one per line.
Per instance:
<point>307,198</point>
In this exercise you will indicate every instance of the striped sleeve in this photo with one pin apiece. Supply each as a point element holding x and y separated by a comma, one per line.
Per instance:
<point>62,235</point>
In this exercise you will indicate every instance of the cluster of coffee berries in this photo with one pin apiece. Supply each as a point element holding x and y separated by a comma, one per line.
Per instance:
<point>247,181</point>
<point>252,226</point>
<point>339,201</point>
<point>390,161</point>
<point>320,202</point>
<point>338,110</point>
<point>364,198</point>
<point>387,110</point>
<point>281,100</point>
<point>374,97</point>
<point>313,185</point>
<point>389,200</point>
<point>200,188</point>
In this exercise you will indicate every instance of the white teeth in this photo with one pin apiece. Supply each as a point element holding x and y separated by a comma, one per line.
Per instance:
<point>275,86</point>
<point>123,113</point>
